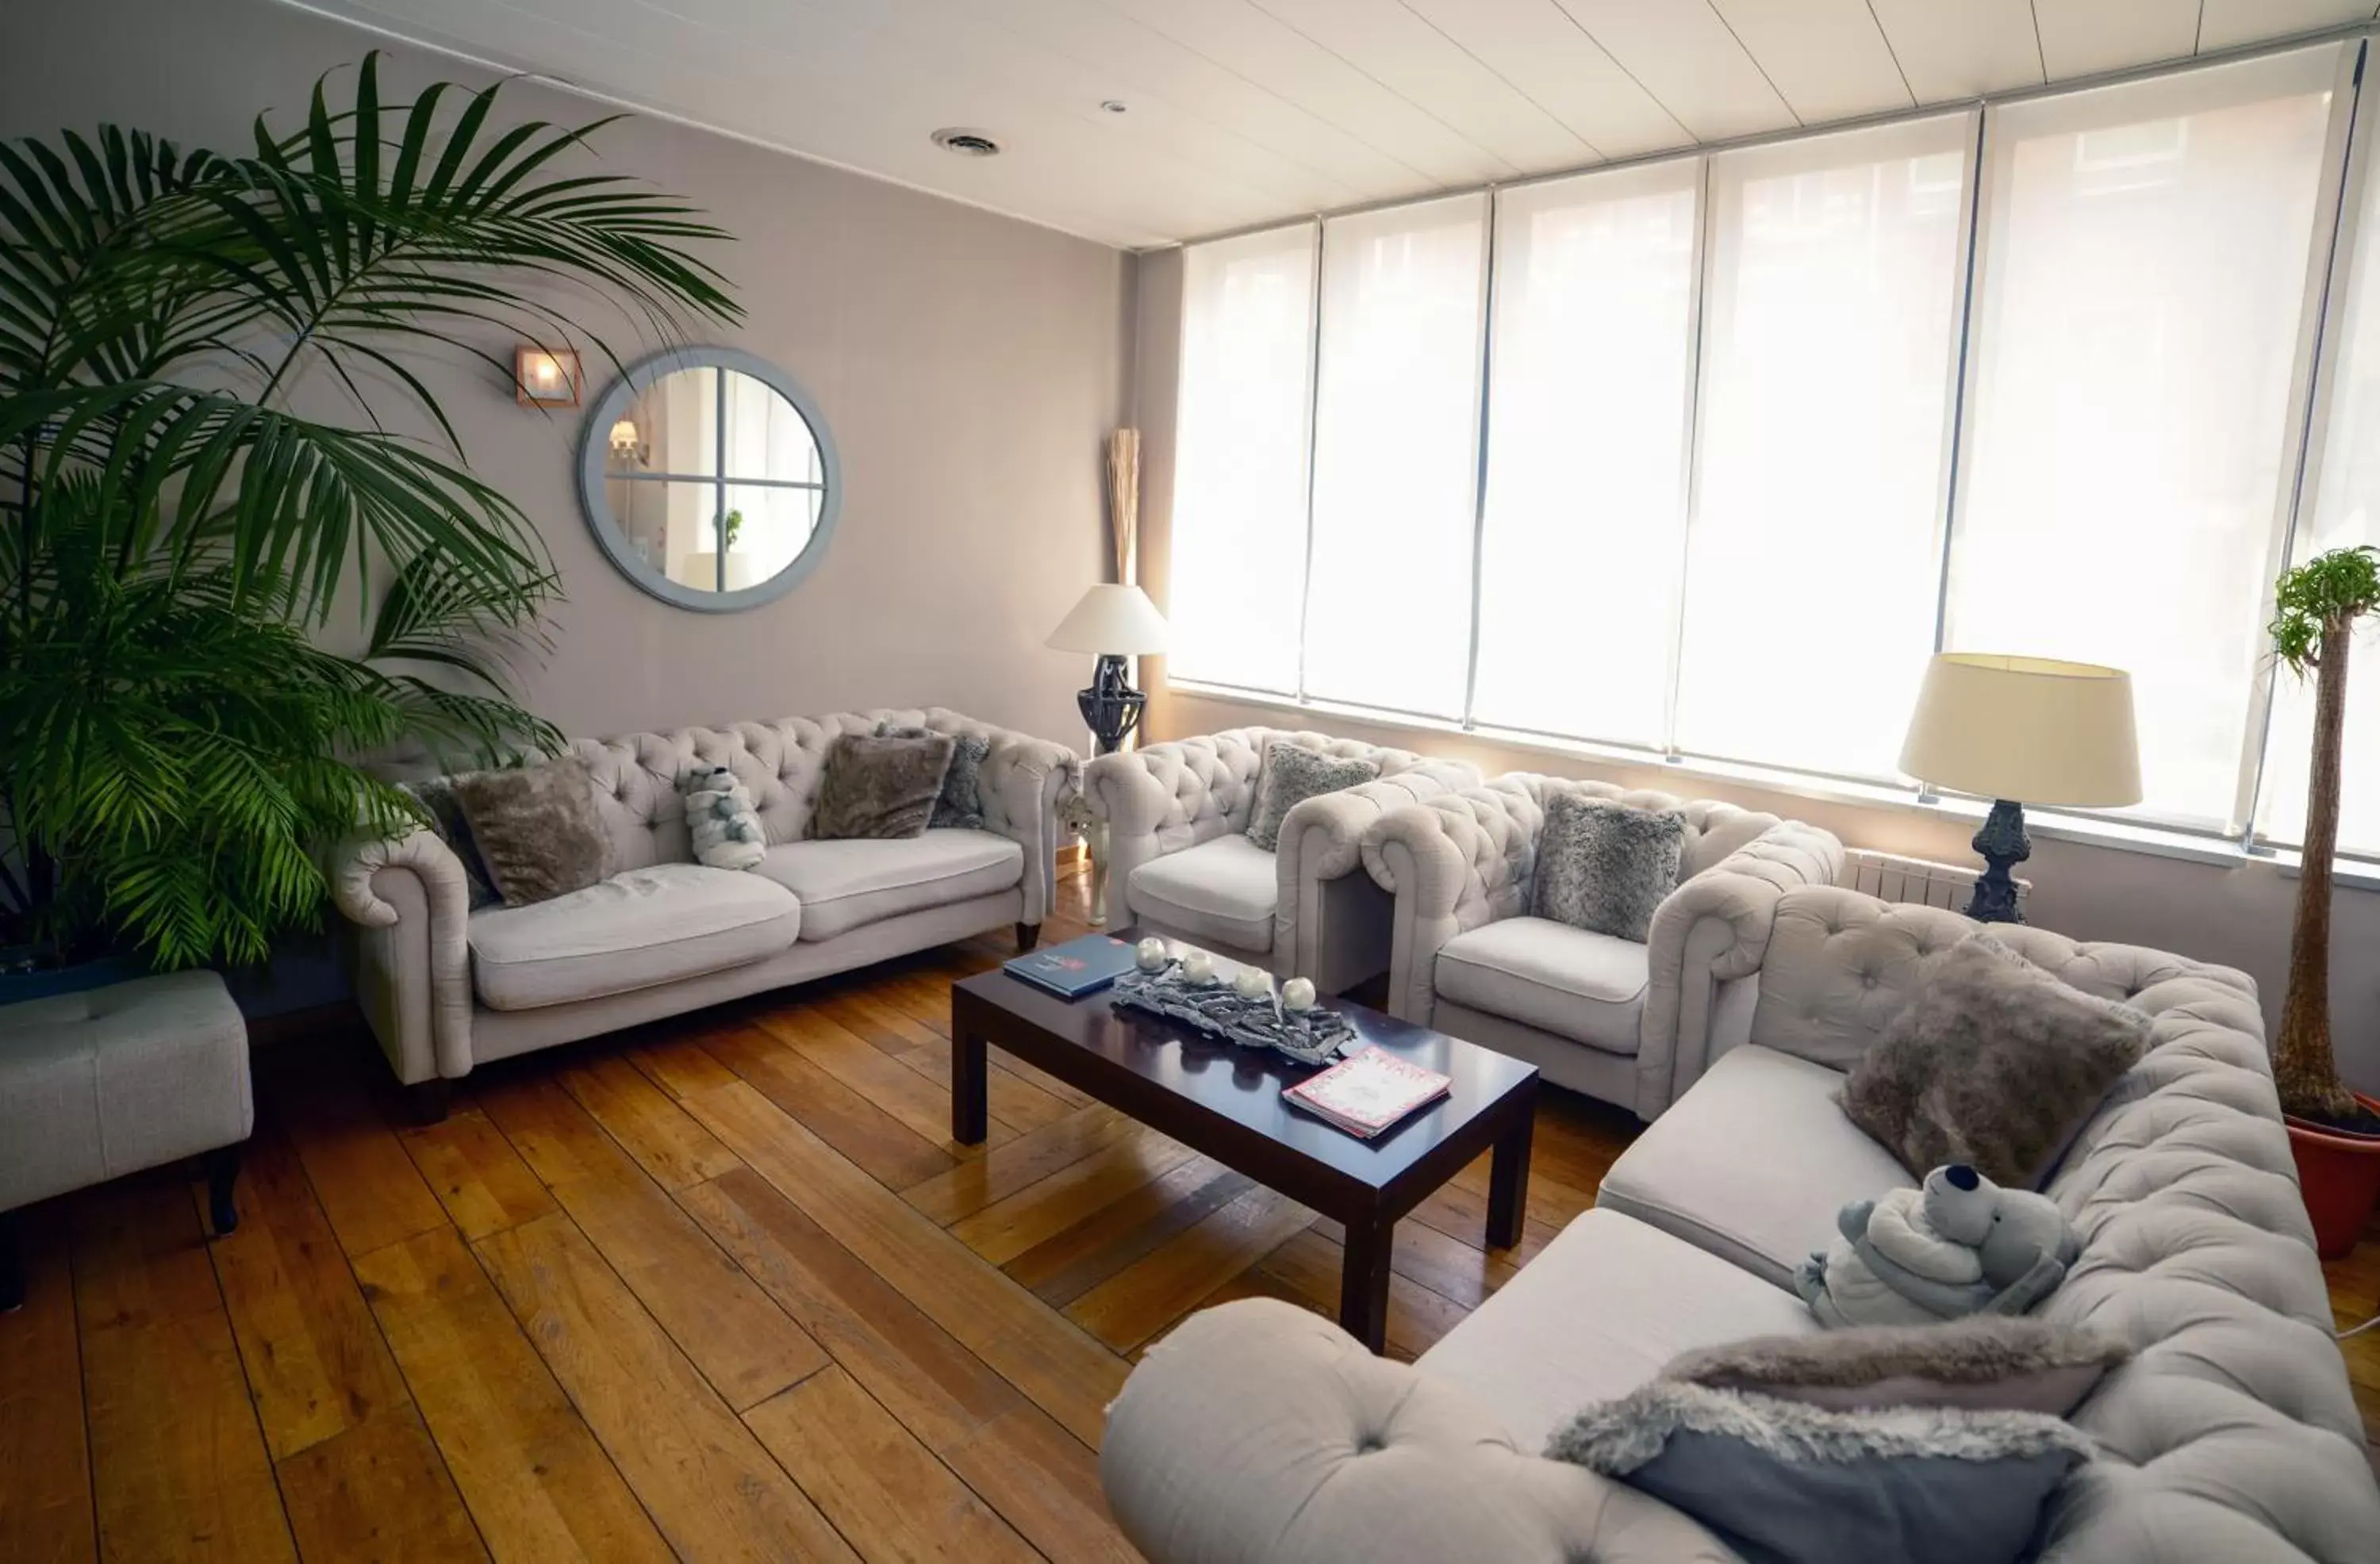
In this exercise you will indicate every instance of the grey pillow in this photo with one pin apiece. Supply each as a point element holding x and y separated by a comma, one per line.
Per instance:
<point>1292,774</point>
<point>959,807</point>
<point>880,789</point>
<point>1782,1482</point>
<point>446,822</point>
<point>1992,1060</point>
<point>537,830</point>
<point>2010,1362</point>
<point>1606,867</point>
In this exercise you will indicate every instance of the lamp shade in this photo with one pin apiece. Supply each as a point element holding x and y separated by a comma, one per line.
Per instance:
<point>2027,729</point>
<point>1111,620</point>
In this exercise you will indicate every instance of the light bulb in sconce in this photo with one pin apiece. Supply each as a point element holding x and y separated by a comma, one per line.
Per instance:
<point>625,448</point>
<point>545,378</point>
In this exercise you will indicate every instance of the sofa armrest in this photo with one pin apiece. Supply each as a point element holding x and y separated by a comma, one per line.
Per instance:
<point>1715,929</point>
<point>1453,863</point>
<point>1258,1431</point>
<point>1024,778</point>
<point>410,955</point>
<point>1322,841</point>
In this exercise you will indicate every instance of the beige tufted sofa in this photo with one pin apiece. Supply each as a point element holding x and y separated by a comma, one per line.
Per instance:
<point>1258,1431</point>
<point>1180,862</point>
<point>1633,1024</point>
<point>446,988</point>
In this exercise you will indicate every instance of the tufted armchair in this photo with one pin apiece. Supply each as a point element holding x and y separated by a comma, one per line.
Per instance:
<point>446,986</point>
<point>2232,1437</point>
<point>1178,851</point>
<point>1631,1024</point>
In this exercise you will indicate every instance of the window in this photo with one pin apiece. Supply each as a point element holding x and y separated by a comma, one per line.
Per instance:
<point>1388,610</point>
<point>1829,340</point>
<point>2143,283</point>
<point>1589,388</point>
<point>1238,566</point>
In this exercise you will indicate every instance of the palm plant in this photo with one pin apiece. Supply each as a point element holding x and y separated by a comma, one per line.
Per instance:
<point>176,742</point>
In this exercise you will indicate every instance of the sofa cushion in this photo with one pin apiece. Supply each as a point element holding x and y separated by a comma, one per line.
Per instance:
<point>1596,1314</point>
<point>1753,1163</point>
<point>843,884</point>
<point>1571,982</point>
<point>648,925</point>
<point>1224,889</point>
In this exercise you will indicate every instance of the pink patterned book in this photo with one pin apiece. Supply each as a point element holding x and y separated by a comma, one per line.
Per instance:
<point>1367,1092</point>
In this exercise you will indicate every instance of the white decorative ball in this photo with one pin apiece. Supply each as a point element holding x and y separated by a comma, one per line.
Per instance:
<point>1198,967</point>
<point>1298,993</point>
<point>1251,983</point>
<point>1150,954</point>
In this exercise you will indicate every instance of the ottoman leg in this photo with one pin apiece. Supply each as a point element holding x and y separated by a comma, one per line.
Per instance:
<point>426,1100</point>
<point>222,1171</point>
<point>12,1265</point>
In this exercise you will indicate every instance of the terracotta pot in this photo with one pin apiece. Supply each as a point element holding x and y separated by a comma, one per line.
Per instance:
<point>2339,1173</point>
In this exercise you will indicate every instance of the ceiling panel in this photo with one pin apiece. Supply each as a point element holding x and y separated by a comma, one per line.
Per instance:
<point>2083,37</point>
<point>2228,23</point>
<point>1951,49</point>
<point>1535,45</point>
<point>1685,57</point>
<point>1828,58</point>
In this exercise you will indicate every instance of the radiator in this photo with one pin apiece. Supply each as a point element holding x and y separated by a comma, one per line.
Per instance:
<point>1891,877</point>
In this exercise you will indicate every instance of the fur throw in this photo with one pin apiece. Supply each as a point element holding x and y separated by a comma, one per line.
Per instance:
<point>1977,1349</point>
<point>1617,1437</point>
<point>881,788</point>
<point>720,819</point>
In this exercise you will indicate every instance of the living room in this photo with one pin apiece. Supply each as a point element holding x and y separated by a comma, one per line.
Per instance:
<point>1250,779</point>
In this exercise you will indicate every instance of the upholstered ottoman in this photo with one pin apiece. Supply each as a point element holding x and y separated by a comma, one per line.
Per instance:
<point>113,1080</point>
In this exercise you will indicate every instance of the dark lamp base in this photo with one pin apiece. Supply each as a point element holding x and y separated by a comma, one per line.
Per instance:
<point>2003,844</point>
<point>1110,708</point>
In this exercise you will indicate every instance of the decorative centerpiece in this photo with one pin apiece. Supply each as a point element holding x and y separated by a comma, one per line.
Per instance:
<point>1243,1010</point>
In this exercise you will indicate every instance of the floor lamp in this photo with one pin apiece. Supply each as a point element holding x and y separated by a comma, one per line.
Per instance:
<point>1112,624</point>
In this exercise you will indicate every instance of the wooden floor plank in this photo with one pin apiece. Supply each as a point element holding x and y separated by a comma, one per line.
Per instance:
<point>531,1474</point>
<point>884,1491</point>
<point>377,1491</point>
<point>369,1187</point>
<point>1309,1265</point>
<point>315,1361</point>
<point>1052,1205</point>
<point>1069,1375</point>
<point>889,1150</point>
<point>476,1174</point>
<point>681,1064</point>
<point>1063,1267</point>
<point>672,1147</point>
<point>1002,1171</point>
<point>140,1255</point>
<point>1012,1099</point>
<point>905,1094</point>
<point>46,1503</point>
<point>1151,1293</point>
<point>720,1318</point>
<point>704,1478</point>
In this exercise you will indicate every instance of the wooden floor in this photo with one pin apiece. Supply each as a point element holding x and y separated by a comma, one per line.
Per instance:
<point>721,1287</point>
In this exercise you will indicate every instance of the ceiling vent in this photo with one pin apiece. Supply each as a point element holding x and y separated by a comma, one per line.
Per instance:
<point>966,143</point>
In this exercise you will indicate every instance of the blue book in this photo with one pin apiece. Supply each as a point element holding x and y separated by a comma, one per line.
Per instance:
<point>1075,968</point>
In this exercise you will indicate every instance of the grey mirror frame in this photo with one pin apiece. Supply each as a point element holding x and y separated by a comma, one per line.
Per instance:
<point>594,447</point>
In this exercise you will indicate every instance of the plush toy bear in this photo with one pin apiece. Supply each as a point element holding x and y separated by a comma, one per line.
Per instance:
<point>1961,1245</point>
<point>720,817</point>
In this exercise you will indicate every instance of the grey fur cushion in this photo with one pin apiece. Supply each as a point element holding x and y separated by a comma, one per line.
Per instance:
<point>537,830</point>
<point>880,788</point>
<point>1606,867</point>
<point>1290,775</point>
<point>437,795</point>
<point>1779,1481</point>
<point>959,807</point>
<point>1992,1060</point>
<point>2012,1363</point>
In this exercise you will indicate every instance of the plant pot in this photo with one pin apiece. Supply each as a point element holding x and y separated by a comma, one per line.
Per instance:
<point>19,982</point>
<point>2339,1171</point>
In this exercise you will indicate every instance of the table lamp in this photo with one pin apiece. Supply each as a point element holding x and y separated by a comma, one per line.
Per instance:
<point>2018,731</point>
<point>1112,623</point>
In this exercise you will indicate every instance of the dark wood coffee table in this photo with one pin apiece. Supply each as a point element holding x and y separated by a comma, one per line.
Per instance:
<point>1225,1102</point>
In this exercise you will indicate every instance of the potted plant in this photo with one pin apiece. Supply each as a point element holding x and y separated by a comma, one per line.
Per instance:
<point>2334,1132</point>
<point>177,736</point>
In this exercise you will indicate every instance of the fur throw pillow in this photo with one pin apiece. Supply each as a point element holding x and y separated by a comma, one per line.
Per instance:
<point>2013,1363</point>
<point>1991,1062</point>
<point>721,824</point>
<point>1292,774</point>
<point>880,788</point>
<point>538,830</point>
<point>959,807</point>
<point>1606,867</point>
<point>446,822</point>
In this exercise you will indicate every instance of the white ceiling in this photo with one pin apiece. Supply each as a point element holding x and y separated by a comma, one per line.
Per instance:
<point>1242,111</point>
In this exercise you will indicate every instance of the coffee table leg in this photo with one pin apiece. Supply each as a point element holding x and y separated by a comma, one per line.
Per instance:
<point>1508,1183</point>
<point>1363,1283</point>
<point>970,1086</point>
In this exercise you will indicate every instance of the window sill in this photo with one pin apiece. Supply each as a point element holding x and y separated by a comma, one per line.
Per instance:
<point>2048,824</point>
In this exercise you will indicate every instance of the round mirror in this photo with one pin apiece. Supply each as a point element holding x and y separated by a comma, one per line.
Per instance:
<point>709,478</point>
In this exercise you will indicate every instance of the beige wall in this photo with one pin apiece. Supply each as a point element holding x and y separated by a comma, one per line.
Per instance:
<point>968,364</point>
<point>2237,912</point>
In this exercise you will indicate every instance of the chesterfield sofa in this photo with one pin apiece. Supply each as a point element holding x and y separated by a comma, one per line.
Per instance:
<point>1180,861</point>
<point>1259,1431</point>
<point>444,987</point>
<point>1631,1024</point>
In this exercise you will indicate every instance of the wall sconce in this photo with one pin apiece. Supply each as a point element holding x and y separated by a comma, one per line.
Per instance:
<point>627,449</point>
<point>545,377</point>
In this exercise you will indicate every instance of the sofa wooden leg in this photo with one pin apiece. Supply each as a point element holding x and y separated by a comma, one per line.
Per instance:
<point>426,1100</point>
<point>12,1263</point>
<point>1028,935</point>
<point>223,1174</point>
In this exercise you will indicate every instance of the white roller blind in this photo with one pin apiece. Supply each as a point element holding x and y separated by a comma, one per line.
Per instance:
<point>2142,278</point>
<point>1388,610</point>
<point>1238,558</point>
<point>1588,399</point>
<point>1830,345</point>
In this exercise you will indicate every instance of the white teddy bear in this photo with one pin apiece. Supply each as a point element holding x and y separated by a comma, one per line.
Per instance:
<point>720,817</point>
